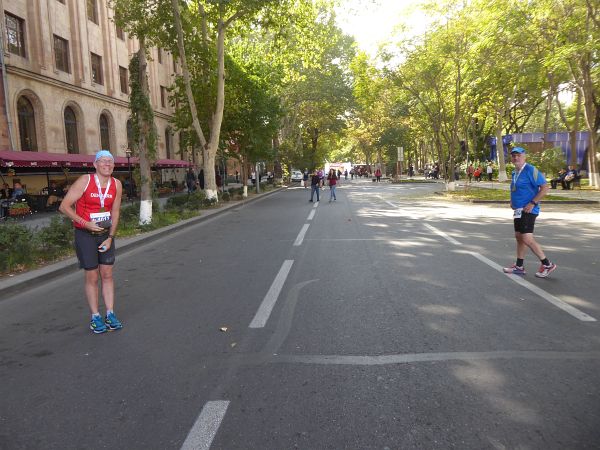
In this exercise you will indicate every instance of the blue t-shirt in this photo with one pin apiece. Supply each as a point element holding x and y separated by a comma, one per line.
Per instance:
<point>525,186</point>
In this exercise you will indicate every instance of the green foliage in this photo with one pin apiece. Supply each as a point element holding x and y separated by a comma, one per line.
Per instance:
<point>191,202</point>
<point>550,161</point>
<point>141,109</point>
<point>57,237</point>
<point>17,247</point>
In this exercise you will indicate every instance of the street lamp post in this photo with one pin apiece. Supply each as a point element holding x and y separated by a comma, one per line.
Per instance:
<point>128,154</point>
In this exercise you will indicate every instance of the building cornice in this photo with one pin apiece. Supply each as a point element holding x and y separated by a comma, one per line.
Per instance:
<point>12,70</point>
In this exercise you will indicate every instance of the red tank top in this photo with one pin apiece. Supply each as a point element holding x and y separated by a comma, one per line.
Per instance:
<point>90,200</point>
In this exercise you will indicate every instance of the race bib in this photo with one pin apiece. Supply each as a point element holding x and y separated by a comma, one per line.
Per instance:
<point>518,213</point>
<point>100,216</point>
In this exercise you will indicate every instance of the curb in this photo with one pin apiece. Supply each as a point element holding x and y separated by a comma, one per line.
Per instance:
<point>36,277</point>
<point>545,202</point>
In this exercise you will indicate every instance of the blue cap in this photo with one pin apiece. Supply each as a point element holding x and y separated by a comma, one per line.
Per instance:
<point>518,150</point>
<point>103,154</point>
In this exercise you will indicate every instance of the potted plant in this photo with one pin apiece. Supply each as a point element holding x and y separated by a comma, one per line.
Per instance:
<point>18,209</point>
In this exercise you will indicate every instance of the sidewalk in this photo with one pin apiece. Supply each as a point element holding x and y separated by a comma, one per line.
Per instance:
<point>42,219</point>
<point>32,278</point>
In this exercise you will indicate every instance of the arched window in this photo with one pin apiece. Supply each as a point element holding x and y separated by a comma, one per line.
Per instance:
<point>104,133</point>
<point>26,125</point>
<point>168,142</point>
<point>71,131</point>
<point>129,135</point>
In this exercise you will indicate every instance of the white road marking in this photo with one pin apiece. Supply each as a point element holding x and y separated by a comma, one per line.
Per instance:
<point>264,311</point>
<point>409,358</point>
<point>442,234</point>
<point>311,215</point>
<point>526,284</point>
<point>316,204</point>
<point>207,424</point>
<point>300,237</point>
<point>536,290</point>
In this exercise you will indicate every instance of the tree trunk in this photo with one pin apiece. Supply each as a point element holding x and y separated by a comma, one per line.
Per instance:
<point>500,150</point>
<point>217,118</point>
<point>574,131</point>
<point>591,112</point>
<point>145,129</point>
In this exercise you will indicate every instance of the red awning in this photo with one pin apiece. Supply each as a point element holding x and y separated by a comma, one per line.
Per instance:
<point>10,158</point>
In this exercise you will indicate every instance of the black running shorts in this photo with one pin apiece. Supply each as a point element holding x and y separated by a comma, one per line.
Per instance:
<point>525,223</point>
<point>86,247</point>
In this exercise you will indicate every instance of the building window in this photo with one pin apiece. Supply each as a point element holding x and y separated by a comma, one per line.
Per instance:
<point>174,64</point>
<point>26,125</point>
<point>61,54</point>
<point>124,79</point>
<point>168,142</point>
<point>104,132</point>
<point>120,33</point>
<point>159,52</point>
<point>71,131</point>
<point>92,11</point>
<point>163,96</point>
<point>97,69</point>
<point>15,34</point>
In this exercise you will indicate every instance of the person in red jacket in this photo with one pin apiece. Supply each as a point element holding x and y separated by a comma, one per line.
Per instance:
<point>332,180</point>
<point>378,175</point>
<point>93,203</point>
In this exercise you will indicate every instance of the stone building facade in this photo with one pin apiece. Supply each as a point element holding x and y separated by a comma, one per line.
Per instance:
<point>65,80</point>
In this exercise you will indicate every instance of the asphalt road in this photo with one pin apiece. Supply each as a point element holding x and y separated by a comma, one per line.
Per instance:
<point>379,321</point>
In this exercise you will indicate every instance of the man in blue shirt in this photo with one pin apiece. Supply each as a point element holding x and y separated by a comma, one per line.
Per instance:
<point>528,186</point>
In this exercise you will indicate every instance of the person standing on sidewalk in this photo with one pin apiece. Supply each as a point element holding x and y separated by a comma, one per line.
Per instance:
<point>93,204</point>
<point>332,179</point>
<point>470,171</point>
<point>528,186</point>
<point>315,185</point>
<point>490,170</point>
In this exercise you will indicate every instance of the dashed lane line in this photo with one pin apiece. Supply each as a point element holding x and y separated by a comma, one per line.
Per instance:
<point>207,424</point>
<point>301,235</point>
<point>264,311</point>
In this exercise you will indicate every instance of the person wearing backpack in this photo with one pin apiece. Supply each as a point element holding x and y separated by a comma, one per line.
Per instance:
<point>528,186</point>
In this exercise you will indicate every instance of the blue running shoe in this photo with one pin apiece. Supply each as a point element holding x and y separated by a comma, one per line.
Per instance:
<point>97,325</point>
<point>112,323</point>
<point>514,269</point>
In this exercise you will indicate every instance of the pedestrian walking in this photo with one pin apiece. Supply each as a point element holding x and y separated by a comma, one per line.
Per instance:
<point>470,171</point>
<point>315,185</point>
<point>490,170</point>
<point>93,204</point>
<point>332,180</point>
<point>528,186</point>
<point>378,174</point>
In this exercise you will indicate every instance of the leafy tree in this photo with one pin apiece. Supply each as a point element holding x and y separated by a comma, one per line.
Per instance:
<point>145,20</point>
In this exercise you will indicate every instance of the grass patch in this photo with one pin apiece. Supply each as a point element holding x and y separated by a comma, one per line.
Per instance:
<point>490,194</point>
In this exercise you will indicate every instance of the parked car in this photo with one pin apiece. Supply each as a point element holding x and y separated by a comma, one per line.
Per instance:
<point>296,175</point>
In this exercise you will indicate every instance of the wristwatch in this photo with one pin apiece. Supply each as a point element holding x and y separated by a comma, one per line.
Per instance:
<point>534,203</point>
<point>111,236</point>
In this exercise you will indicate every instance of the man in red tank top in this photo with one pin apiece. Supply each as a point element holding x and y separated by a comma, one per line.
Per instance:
<point>93,203</point>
